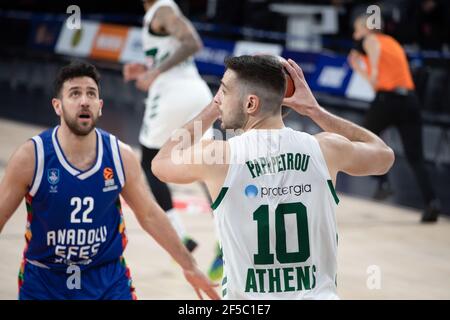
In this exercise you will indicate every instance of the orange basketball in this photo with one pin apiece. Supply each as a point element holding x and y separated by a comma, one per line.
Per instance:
<point>290,87</point>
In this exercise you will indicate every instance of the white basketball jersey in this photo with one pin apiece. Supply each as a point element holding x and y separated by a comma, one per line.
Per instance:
<point>177,95</point>
<point>157,48</point>
<point>276,218</point>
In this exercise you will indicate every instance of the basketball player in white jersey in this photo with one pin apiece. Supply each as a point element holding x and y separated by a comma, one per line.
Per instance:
<point>176,92</point>
<point>274,186</point>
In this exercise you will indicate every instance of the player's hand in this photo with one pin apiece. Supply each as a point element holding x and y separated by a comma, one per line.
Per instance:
<point>145,80</point>
<point>201,283</point>
<point>303,100</point>
<point>131,71</point>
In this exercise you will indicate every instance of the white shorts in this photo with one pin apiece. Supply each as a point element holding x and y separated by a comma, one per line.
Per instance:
<point>169,106</point>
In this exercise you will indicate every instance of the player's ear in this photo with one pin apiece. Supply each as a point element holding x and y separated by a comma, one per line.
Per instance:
<point>101,107</point>
<point>57,106</point>
<point>252,104</point>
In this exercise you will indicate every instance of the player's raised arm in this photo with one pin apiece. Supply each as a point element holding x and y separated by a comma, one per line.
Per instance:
<point>16,181</point>
<point>184,158</point>
<point>155,222</point>
<point>175,24</point>
<point>346,146</point>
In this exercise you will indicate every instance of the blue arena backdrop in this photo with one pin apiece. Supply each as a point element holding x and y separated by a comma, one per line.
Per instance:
<point>325,71</point>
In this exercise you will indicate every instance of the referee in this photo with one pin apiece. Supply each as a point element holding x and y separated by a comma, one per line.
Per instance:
<point>396,104</point>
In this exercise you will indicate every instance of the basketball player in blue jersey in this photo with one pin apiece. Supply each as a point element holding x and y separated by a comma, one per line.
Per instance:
<point>72,177</point>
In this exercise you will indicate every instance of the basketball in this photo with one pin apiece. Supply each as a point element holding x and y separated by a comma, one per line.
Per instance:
<point>290,87</point>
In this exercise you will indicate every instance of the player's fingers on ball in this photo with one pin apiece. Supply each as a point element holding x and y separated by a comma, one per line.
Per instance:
<point>288,67</point>
<point>297,68</point>
<point>298,71</point>
<point>292,72</point>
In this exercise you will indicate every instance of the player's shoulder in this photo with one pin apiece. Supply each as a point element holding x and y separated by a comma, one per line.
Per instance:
<point>23,160</point>
<point>104,133</point>
<point>125,150</point>
<point>130,161</point>
<point>329,141</point>
<point>25,151</point>
<point>108,137</point>
<point>330,138</point>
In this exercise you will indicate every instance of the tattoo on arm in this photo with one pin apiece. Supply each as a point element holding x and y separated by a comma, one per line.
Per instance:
<point>179,27</point>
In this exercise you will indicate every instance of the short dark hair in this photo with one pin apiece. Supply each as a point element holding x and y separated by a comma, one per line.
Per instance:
<point>264,75</point>
<point>74,70</point>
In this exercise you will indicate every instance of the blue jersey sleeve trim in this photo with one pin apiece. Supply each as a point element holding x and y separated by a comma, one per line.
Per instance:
<point>121,163</point>
<point>35,165</point>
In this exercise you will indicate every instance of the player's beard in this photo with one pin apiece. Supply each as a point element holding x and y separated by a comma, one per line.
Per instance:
<point>237,121</point>
<point>78,128</point>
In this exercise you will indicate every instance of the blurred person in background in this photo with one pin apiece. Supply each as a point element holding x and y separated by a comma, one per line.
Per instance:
<point>172,80</point>
<point>396,104</point>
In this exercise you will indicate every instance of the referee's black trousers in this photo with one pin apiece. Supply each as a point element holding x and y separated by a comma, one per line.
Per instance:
<point>403,112</point>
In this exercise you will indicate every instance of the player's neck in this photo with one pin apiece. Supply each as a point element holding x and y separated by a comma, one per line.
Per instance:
<point>268,122</point>
<point>80,151</point>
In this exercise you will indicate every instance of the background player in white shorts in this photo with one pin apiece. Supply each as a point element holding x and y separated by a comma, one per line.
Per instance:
<point>176,92</point>
<point>275,207</point>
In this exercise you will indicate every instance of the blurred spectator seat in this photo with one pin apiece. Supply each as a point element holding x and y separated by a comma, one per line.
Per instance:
<point>306,24</point>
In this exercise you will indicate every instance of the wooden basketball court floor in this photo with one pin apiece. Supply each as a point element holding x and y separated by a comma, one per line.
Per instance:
<point>408,259</point>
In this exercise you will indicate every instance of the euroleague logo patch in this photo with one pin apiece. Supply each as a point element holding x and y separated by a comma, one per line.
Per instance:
<point>108,175</point>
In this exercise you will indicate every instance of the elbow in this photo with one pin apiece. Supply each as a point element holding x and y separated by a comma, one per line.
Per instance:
<point>194,45</point>
<point>158,170</point>
<point>388,158</point>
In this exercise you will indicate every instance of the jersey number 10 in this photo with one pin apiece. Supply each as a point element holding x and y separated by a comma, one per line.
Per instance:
<point>261,216</point>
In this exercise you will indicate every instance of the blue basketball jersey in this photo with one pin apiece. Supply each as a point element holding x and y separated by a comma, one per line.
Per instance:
<point>74,216</point>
